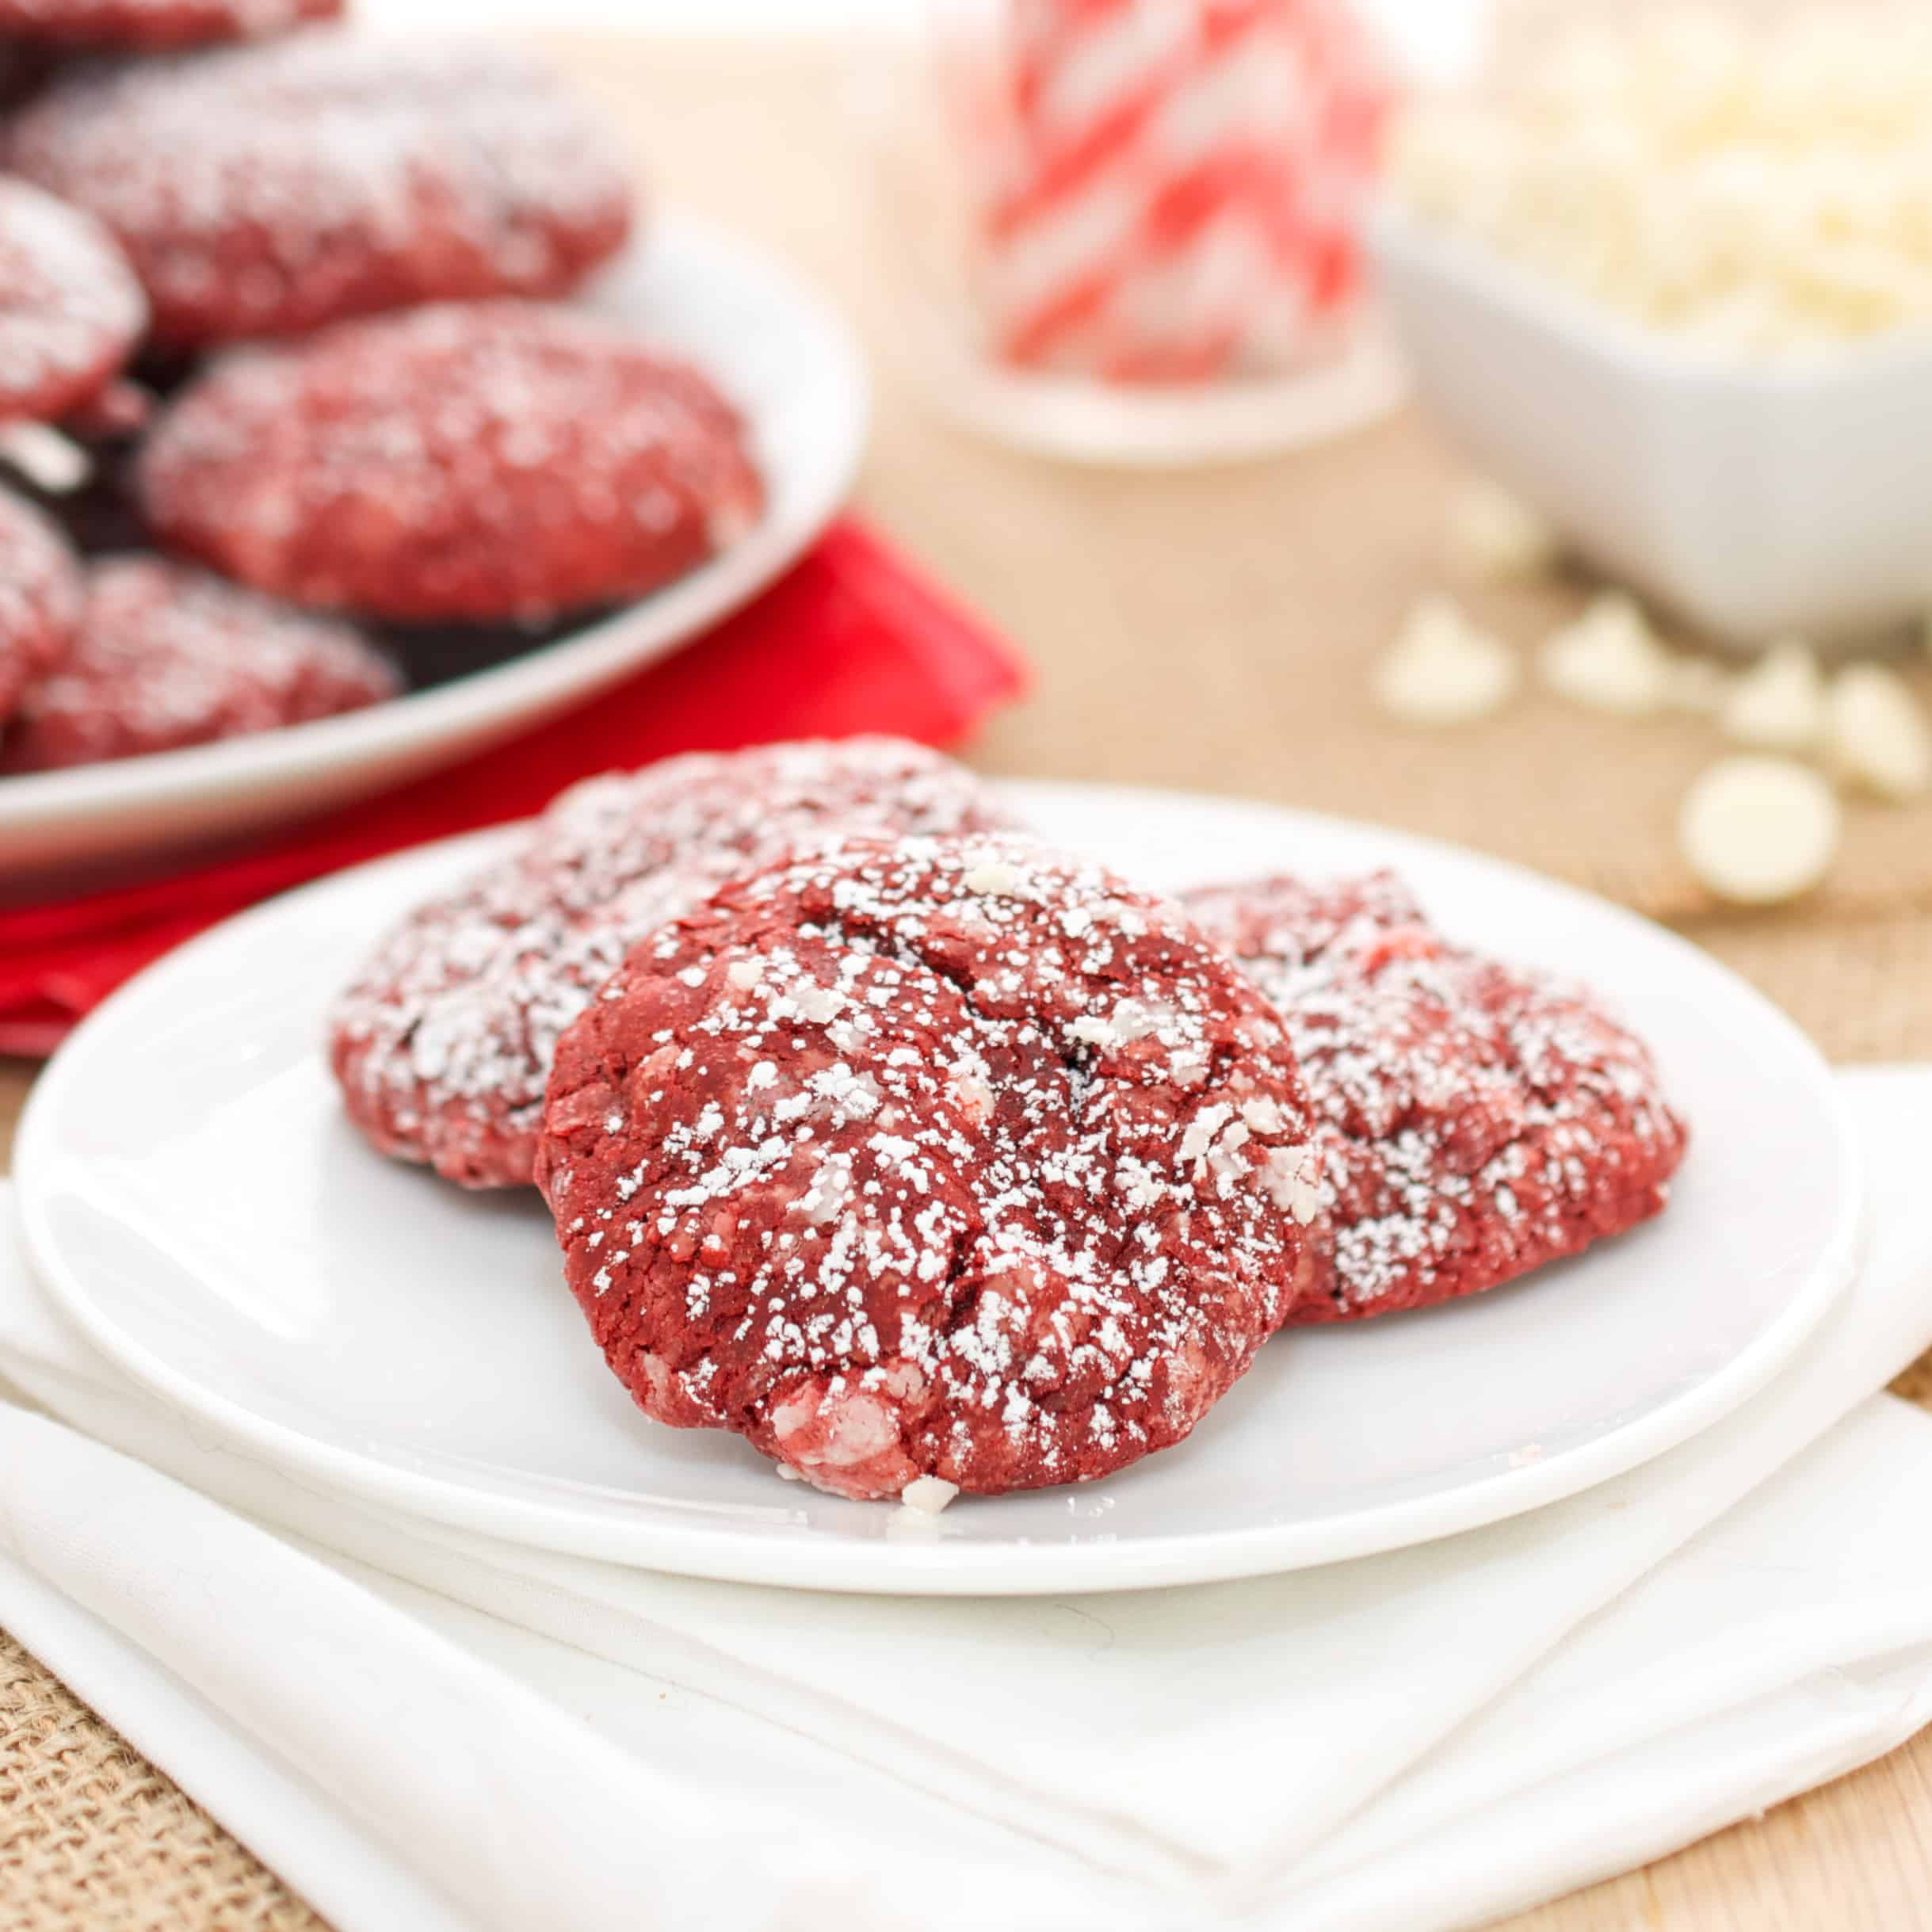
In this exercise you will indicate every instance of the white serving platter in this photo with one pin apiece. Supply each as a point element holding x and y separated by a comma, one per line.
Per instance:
<point>775,349</point>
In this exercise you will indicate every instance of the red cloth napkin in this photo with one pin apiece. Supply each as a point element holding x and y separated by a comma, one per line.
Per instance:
<point>853,640</point>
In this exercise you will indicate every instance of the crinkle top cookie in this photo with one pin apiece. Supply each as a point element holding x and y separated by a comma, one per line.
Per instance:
<point>444,1042</point>
<point>40,598</point>
<point>1477,1119</point>
<point>149,26</point>
<point>71,309</point>
<point>164,656</point>
<point>951,1158</point>
<point>268,189</point>
<point>488,461</point>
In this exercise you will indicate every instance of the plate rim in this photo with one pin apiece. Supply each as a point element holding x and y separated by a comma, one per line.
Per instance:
<point>446,721</point>
<point>940,1568</point>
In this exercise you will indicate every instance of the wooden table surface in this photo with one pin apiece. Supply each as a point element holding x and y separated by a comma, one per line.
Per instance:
<point>1189,696</point>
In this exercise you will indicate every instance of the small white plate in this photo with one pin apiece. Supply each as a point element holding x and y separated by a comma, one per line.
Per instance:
<point>193,1197</point>
<point>777,350</point>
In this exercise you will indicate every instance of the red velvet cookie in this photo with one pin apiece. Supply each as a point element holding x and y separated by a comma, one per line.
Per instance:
<point>1477,1120</point>
<point>40,598</point>
<point>498,460</point>
<point>151,26</point>
<point>166,656</point>
<point>268,189</point>
<point>952,1157</point>
<point>444,1042</point>
<point>71,310</point>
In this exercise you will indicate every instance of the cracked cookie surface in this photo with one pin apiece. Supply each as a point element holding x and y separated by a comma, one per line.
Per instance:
<point>442,1043</point>
<point>951,1158</point>
<point>1476,1119</point>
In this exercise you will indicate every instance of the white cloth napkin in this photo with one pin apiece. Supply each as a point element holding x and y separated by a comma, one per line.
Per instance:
<point>1426,1739</point>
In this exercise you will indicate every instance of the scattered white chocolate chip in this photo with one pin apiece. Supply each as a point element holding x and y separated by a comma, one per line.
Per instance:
<point>1609,659</point>
<point>1779,703</point>
<point>1442,669</point>
<point>1496,536</point>
<point>929,1494</point>
<point>1875,734</point>
<point>1758,830</point>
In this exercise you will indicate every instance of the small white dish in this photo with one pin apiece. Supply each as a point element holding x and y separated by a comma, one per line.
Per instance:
<point>1749,498</point>
<point>777,350</point>
<point>193,1197</point>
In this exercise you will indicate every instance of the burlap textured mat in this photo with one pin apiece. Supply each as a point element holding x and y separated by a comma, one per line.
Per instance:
<point>1211,629</point>
<point>93,1839</point>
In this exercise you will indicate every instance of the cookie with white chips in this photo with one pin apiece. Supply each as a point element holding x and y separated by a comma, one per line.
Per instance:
<point>1476,1119</point>
<point>270,189</point>
<point>914,1161</point>
<point>465,461</point>
<point>149,26</point>
<point>164,656</point>
<point>71,309</point>
<point>40,598</point>
<point>443,1043</point>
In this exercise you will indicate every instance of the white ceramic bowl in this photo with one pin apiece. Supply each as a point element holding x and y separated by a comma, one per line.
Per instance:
<point>1748,498</point>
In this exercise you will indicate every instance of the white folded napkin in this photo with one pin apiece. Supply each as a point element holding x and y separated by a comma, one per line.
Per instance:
<point>1426,1739</point>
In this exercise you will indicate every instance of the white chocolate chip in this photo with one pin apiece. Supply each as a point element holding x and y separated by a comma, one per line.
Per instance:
<point>825,1199</point>
<point>1754,189</point>
<point>1496,536</point>
<point>1609,659</point>
<point>996,879</point>
<point>48,461</point>
<point>1758,830</point>
<point>1778,705</point>
<point>1293,1178</point>
<point>928,1494</point>
<point>1201,1130</point>
<point>1441,670</point>
<point>1875,734</point>
<point>821,1005</point>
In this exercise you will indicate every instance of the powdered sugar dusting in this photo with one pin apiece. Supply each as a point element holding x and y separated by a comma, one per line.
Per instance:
<point>444,1042</point>
<point>1478,1120</point>
<point>150,24</point>
<point>166,655</point>
<point>71,309</point>
<point>912,1200</point>
<point>269,189</point>
<point>476,460</point>
<point>40,598</point>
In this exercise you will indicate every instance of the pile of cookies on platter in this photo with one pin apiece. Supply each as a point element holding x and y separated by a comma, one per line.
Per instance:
<point>287,373</point>
<point>927,1158</point>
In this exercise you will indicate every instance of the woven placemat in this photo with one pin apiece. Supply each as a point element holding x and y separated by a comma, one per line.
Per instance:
<point>93,1838</point>
<point>1211,629</point>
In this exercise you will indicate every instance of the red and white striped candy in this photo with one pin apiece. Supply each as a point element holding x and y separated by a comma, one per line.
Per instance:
<point>1165,190</point>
